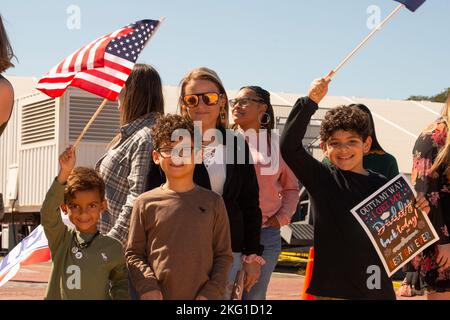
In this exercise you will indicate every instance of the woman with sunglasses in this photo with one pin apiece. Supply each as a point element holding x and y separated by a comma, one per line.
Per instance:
<point>279,194</point>
<point>204,100</point>
<point>6,89</point>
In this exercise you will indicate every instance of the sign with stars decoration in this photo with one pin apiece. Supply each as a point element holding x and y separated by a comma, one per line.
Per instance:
<point>397,230</point>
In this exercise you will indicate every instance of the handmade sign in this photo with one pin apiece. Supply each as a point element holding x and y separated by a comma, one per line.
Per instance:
<point>396,228</point>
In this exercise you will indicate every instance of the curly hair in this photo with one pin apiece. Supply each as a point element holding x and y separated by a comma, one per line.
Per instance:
<point>345,118</point>
<point>164,127</point>
<point>83,179</point>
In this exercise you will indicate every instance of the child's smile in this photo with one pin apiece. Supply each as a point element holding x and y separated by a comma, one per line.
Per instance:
<point>84,210</point>
<point>346,150</point>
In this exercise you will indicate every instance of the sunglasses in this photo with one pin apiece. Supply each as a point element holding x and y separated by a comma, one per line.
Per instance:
<point>243,102</point>
<point>209,98</point>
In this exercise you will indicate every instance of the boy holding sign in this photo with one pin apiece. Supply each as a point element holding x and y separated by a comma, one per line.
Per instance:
<point>353,270</point>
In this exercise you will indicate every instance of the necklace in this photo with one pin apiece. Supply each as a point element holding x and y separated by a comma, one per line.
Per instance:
<point>84,245</point>
<point>208,155</point>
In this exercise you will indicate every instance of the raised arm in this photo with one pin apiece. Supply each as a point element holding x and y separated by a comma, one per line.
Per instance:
<point>54,228</point>
<point>305,167</point>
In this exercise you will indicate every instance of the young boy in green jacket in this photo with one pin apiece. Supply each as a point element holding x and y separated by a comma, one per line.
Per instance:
<point>86,264</point>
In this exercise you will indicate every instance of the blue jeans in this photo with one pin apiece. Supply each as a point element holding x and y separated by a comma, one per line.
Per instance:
<point>271,240</point>
<point>237,265</point>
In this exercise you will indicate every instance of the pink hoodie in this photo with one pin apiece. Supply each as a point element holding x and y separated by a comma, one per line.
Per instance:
<point>278,186</point>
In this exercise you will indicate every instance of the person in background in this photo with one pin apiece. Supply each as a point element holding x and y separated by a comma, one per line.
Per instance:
<point>6,89</point>
<point>377,159</point>
<point>124,167</point>
<point>431,177</point>
<point>279,192</point>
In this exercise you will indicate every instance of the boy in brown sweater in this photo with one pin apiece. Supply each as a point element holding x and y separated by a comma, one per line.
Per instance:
<point>179,246</point>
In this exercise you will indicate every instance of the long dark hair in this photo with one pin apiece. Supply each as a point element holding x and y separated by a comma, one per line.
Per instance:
<point>142,95</point>
<point>6,51</point>
<point>376,147</point>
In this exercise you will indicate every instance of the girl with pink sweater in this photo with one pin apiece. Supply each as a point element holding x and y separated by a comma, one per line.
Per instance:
<point>253,116</point>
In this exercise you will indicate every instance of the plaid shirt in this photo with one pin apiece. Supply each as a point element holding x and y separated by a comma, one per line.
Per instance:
<point>124,169</point>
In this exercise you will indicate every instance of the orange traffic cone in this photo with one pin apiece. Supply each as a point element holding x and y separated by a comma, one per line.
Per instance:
<point>309,271</point>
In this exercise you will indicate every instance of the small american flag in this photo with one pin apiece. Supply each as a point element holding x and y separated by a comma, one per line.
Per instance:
<point>103,66</point>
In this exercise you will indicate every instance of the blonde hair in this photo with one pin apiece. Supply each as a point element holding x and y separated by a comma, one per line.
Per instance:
<point>443,157</point>
<point>6,51</point>
<point>207,74</point>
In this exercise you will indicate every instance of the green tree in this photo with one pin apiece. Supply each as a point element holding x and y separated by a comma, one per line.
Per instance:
<point>440,97</point>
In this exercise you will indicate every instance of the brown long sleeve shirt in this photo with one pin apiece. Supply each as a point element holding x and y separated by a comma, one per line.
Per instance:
<point>179,243</point>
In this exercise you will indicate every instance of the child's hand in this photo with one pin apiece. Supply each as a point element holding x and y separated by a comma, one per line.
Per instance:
<point>273,222</point>
<point>67,161</point>
<point>319,88</point>
<point>200,297</point>
<point>422,203</point>
<point>152,295</point>
<point>252,273</point>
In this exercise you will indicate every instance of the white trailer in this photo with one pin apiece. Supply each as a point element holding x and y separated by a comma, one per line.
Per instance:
<point>40,129</point>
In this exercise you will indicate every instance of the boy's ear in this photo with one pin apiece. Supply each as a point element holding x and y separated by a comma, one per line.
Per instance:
<point>367,144</point>
<point>63,207</point>
<point>323,146</point>
<point>155,156</point>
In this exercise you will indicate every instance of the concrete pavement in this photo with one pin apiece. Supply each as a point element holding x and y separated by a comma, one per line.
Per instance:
<point>31,282</point>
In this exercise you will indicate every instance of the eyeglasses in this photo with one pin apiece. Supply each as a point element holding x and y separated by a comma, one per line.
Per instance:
<point>168,152</point>
<point>209,98</point>
<point>243,102</point>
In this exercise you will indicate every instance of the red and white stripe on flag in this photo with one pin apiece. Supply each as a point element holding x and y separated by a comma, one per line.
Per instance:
<point>102,66</point>
<point>33,249</point>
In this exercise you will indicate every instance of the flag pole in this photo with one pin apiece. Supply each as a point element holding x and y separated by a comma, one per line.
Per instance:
<point>371,34</point>
<point>86,128</point>
<point>102,105</point>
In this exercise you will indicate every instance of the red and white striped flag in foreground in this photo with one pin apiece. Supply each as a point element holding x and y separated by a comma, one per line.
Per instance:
<point>102,66</point>
<point>32,249</point>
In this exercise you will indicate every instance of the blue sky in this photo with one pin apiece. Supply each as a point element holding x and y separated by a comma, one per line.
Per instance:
<point>280,45</point>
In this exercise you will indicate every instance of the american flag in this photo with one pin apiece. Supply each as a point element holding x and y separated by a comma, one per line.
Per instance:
<point>102,66</point>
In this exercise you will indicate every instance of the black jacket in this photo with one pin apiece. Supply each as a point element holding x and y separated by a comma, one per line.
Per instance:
<point>344,254</point>
<point>240,194</point>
